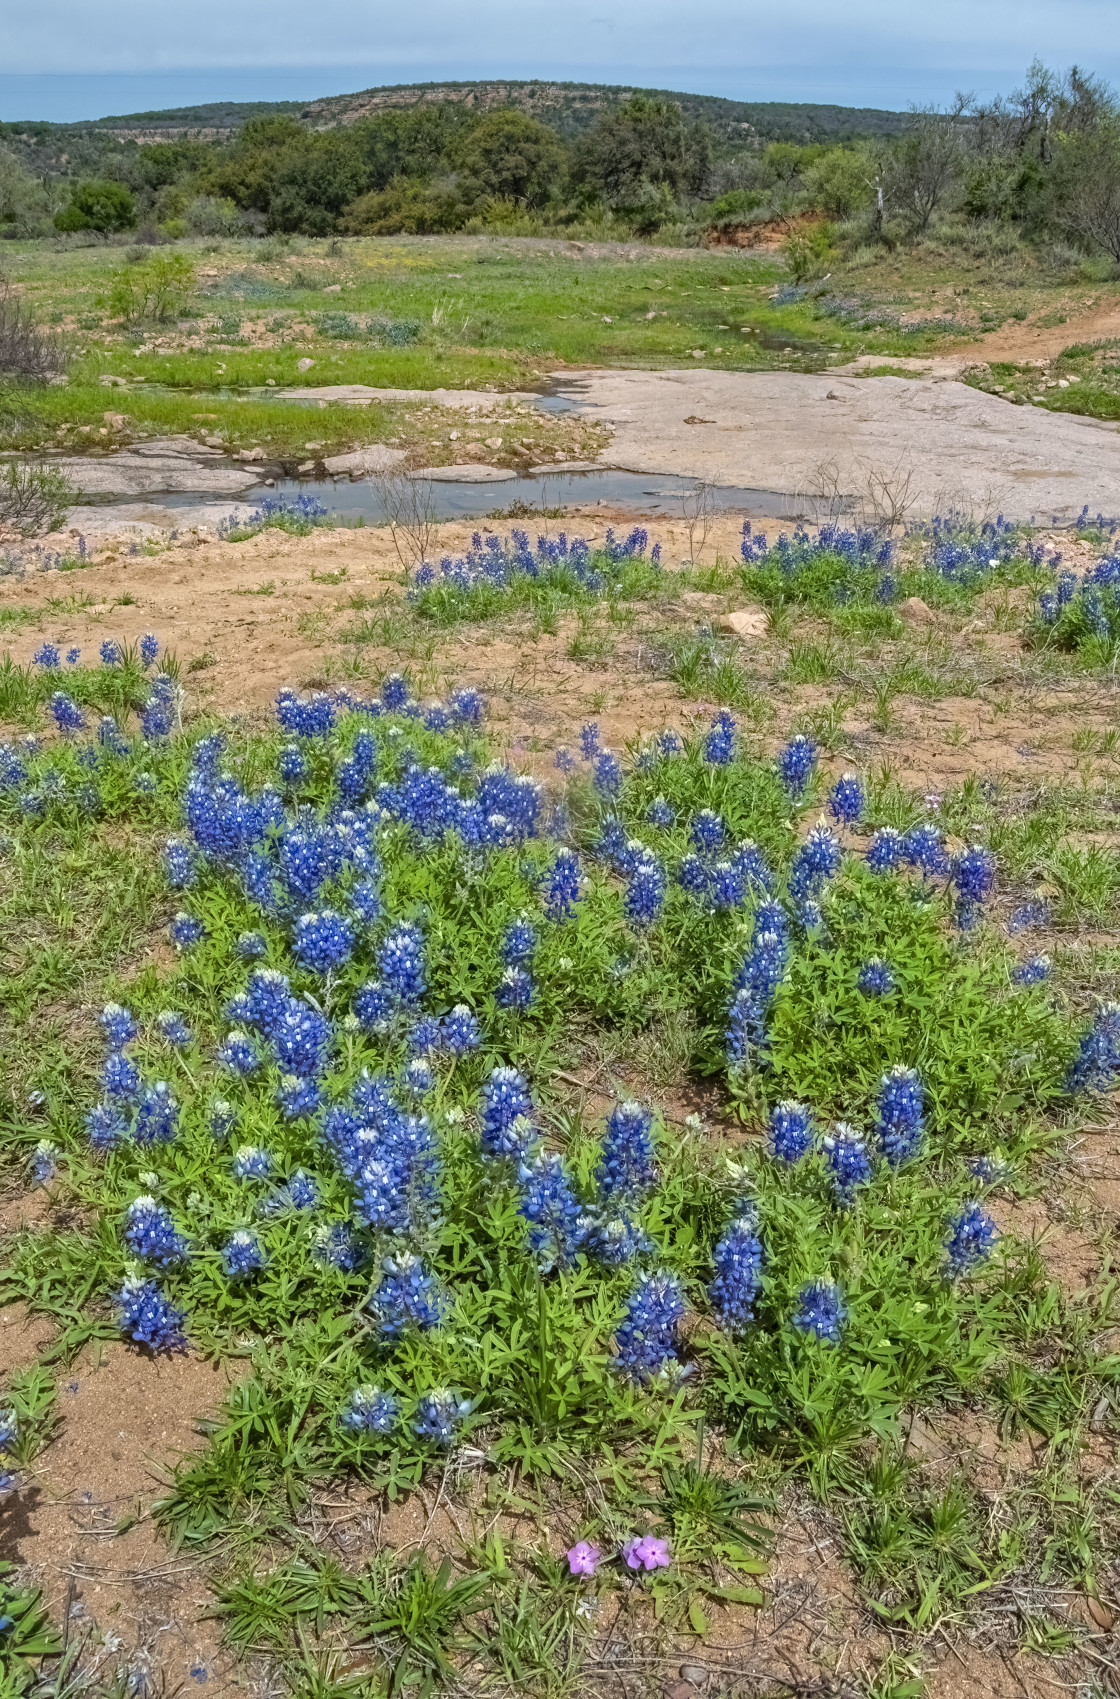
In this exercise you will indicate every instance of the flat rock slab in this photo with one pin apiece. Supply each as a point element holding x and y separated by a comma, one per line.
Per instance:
<point>140,474</point>
<point>466,474</point>
<point>362,395</point>
<point>151,519</point>
<point>377,458</point>
<point>780,431</point>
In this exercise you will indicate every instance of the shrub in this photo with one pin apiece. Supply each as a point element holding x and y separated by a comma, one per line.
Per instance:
<point>107,207</point>
<point>33,498</point>
<point>26,351</point>
<point>157,288</point>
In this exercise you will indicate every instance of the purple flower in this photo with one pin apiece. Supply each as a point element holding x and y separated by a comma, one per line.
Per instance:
<point>645,1552</point>
<point>583,1558</point>
<point>796,764</point>
<point>846,800</point>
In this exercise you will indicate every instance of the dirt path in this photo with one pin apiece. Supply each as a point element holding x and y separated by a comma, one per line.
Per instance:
<point>1021,342</point>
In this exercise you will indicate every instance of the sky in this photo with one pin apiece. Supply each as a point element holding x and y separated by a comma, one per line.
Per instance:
<point>66,59</point>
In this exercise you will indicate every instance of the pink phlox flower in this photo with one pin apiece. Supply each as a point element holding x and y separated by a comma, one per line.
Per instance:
<point>583,1558</point>
<point>646,1553</point>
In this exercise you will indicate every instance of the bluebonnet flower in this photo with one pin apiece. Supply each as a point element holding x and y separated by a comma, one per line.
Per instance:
<point>515,989</point>
<point>467,706</point>
<point>149,649</point>
<point>221,1119</point>
<point>110,652</point>
<point>157,1118</point>
<point>886,851</point>
<point>565,760</point>
<point>151,1234</point>
<point>821,1311</point>
<point>374,1006</point>
<point>460,1031</point>
<point>335,1244</point>
<point>239,1054</point>
<point>118,1025</point>
<point>297,1099</point>
<point>506,1114</point>
<point>418,1077</point>
<point>147,1316</point>
<point>846,800</point>
<point>401,960</point>
<point>144,785</point>
<point>72,657</point>
<point>47,656</point>
<point>898,1116</point>
<point>969,1240</point>
<point>612,1234</point>
<point>179,864</point>
<point>174,1029</point>
<point>365,900</point>
<point>292,764</point>
<point>1097,1062</point>
<point>973,876</point>
<point>269,994</point>
<point>120,1077</point>
<point>302,1040</point>
<point>814,861</point>
<point>395,691</point>
<point>719,742</point>
<point>307,716</point>
<point>589,740</point>
<point>1032,972</point>
<point>1028,916</point>
<point>408,1296</point>
<point>158,715</point>
<point>519,942</point>
<point>250,1162</point>
<point>300,1192</point>
<point>251,946</point>
<point>67,715</point>
<point>925,850</point>
<point>659,812</point>
<point>796,764</point>
<point>645,895</point>
<point>749,861</point>
<point>438,1415</point>
<point>627,1166</point>
<point>242,1254</point>
<point>607,773</point>
<point>425,1036</point>
<point>738,1261</point>
<point>989,1170</point>
<point>371,1411</point>
<point>110,737</point>
<point>791,1131</point>
<point>551,1209</point>
<point>669,744</point>
<point>185,931</point>
<point>875,978</point>
<point>106,1126</point>
<point>646,1339</point>
<point>561,890</point>
<point>727,889</point>
<point>693,876</point>
<point>323,941</point>
<point>707,831</point>
<point>44,1162</point>
<point>846,1158</point>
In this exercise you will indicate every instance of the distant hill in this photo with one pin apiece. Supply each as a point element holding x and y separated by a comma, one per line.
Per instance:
<point>569,108</point>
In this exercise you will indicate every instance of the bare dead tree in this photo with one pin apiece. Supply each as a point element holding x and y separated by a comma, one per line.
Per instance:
<point>409,507</point>
<point>27,352</point>
<point>698,510</point>
<point>33,498</point>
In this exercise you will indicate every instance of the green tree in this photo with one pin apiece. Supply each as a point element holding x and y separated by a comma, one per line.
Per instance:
<point>841,181</point>
<point>642,155</point>
<point>1084,190</point>
<point>104,206</point>
<point>512,157</point>
<point>24,209</point>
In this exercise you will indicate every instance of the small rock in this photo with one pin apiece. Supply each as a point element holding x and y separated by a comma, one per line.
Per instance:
<point>333,289</point>
<point>108,382</point>
<point>744,622</point>
<point>306,466</point>
<point>695,1674</point>
<point>492,442</point>
<point>250,454</point>
<point>697,353</point>
<point>454,437</point>
<point>310,445</point>
<point>914,611</point>
<point>1100,1614</point>
<point>831,395</point>
<point>680,1690</point>
<point>363,461</point>
<point>213,442</point>
<point>304,365</point>
<point>115,421</point>
<point>270,383</point>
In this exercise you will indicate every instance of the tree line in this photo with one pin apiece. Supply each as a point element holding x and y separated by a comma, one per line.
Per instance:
<point>1044,161</point>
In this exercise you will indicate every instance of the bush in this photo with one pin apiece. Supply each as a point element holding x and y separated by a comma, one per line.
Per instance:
<point>509,156</point>
<point>26,351</point>
<point>212,215</point>
<point>23,201</point>
<point>33,498</point>
<point>806,248</point>
<point>107,207</point>
<point>841,181</point>
<point>405,208</point>
<point>157,288</point>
